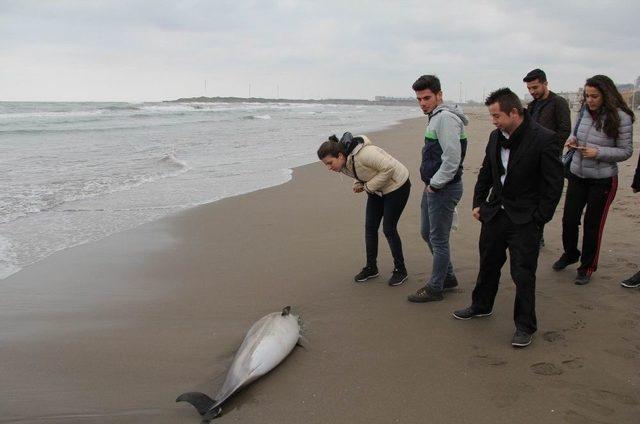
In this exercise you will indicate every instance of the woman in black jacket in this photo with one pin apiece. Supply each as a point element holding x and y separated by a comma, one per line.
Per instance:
<point>634,280</point>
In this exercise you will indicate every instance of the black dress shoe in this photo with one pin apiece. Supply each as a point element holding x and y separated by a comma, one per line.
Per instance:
<point>470,312</point>
<point>564,261</point>
<point>521,339</point>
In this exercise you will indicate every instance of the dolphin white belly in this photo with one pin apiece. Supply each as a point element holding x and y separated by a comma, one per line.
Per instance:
<point>266,344</point>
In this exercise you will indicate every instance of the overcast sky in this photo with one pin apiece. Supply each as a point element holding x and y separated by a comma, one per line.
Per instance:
<point>138,50</point>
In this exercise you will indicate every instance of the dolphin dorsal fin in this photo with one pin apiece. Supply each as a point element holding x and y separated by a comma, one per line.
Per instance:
<point>286,310</point>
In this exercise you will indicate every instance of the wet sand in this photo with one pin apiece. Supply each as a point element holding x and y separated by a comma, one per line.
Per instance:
<point>113,331</point>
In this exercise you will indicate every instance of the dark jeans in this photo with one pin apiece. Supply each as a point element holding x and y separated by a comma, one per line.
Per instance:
<point>597,195</point>
<point>390,206</point>
<point>523,242</point>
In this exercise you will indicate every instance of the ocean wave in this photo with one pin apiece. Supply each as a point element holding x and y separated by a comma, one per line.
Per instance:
<point>8,258</point>
<point>47,198</point>
<point>51,114</point>
<point>262,117</point>
<point>172,160</point>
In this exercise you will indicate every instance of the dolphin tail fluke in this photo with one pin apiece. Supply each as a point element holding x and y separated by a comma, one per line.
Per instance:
<point>200,401</point>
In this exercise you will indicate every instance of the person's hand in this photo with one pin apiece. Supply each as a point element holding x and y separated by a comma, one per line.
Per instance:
<point>358,189</point>
<point>571,142</point>
<point>476,213</point>
<point>588,152</point>
<point>428,189</point>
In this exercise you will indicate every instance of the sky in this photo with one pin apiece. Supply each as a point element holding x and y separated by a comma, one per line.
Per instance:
<point>144,50</point>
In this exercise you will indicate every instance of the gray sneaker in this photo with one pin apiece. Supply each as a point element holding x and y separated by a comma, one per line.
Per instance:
<point>450,283</point>
<point>470,312</point>
<point>632,282</point>
<point>425,294</point>
<point>521,339</point>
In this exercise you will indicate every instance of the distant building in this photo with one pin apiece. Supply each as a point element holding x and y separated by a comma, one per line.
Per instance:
<point>572,97</point>
<point>393,99</point>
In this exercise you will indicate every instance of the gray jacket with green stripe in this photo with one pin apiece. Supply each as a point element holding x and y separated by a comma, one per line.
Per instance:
<point>445,146</point>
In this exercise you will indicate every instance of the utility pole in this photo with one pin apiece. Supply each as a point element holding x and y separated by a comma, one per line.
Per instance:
<point>633,94</point>
<point>249,90</point>
<point>460,97</point>
<point>205,88</point>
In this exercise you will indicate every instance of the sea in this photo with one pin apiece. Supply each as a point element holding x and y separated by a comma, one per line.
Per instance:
<point>76,172</point>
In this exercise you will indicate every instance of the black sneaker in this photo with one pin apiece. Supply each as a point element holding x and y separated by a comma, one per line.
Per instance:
<point>398,277</point>
<point>582,278</point>
<point>632,282</point>
<point>470,312</point>
<point>450,283</point>
<point>564,261</point>
<point>521,339</point>
<point>425,294</point>
<point>367,273</point>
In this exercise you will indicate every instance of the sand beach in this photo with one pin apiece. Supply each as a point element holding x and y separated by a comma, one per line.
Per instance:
<point>112,331</point>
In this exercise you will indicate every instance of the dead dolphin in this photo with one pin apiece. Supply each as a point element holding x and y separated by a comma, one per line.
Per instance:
<point>266,344</point>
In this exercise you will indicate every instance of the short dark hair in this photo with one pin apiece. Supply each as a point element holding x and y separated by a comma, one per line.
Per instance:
<point>536,74</point>
<point>507,99</point>
<point>331,147</point>
<point>427,82</point>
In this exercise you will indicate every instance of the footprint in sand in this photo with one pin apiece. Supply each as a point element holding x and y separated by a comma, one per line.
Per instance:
<point>573,417</point>
<point>627,324</point>
<point>479,361</point>
<point>578,325</point>
<point>573,363</point>
<point>591,406</point>
<point>623,353</point>
<point>546,368</point>
<point>618,397</point>
<point>510,394</point>
<point>553,336</point>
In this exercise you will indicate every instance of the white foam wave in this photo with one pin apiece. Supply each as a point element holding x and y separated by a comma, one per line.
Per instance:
<point>171,159</point>
<point>8,258</point>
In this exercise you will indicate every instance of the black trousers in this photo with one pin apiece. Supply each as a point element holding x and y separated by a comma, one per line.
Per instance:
<point>523,242</point>
<point>389,206</point>
<point>597,195</point>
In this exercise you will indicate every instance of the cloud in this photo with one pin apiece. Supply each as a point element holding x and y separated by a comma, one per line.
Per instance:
<point>149,50</point>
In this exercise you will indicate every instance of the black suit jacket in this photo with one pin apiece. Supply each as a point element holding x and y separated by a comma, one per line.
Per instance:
<point>534,181</point>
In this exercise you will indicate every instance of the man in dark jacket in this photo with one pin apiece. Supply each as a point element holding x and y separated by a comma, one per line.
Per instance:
<point>634,280</point>
<point>518,188</point>
<point>548,109</point>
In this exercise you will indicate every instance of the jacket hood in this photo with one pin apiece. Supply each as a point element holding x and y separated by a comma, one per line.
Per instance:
<point>455,109</point>
<point>354,144</point>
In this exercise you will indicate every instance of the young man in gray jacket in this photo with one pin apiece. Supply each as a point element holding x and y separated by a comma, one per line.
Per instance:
<point>445,146</point>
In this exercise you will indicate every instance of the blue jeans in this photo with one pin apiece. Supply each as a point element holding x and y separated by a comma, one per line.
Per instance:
<point>437,215</point>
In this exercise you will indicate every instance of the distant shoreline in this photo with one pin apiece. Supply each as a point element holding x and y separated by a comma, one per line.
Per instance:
<point>202,99</point>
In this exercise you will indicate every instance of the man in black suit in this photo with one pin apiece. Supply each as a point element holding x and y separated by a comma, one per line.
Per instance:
<point>518,189</point>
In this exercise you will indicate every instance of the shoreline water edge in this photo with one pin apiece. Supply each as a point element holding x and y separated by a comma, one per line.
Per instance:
<point>78,172</point>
